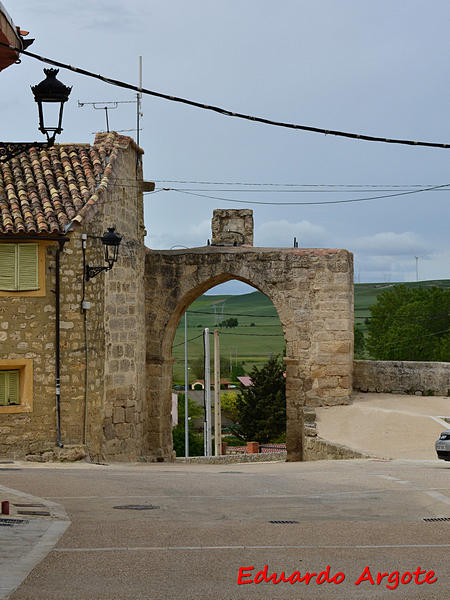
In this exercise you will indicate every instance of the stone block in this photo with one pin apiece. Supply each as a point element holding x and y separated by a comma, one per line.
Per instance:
<point>118,414</point>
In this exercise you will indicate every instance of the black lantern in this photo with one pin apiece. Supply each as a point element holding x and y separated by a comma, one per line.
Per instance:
<point>111,240</point>
<point>50,91</point>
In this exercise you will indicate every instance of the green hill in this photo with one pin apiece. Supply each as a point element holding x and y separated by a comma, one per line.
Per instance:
<point>259,333</point>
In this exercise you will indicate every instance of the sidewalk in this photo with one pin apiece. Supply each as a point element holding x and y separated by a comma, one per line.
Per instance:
<point>387,425</point>
<point>24,544</point>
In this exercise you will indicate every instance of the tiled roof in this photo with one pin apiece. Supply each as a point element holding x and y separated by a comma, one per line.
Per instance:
<point>43,191</point>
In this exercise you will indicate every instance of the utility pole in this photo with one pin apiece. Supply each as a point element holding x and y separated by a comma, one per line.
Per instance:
<point>217,411</point>
<point>139,104</point>
<point>208,444</point>
<point>417,268</point>
<point>186,384</point>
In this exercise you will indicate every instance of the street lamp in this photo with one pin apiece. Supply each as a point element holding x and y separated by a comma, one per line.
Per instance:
<point>50,91</point>
<point>111,240</point>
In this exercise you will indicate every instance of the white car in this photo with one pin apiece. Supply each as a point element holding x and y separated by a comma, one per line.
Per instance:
<point>443,445</point>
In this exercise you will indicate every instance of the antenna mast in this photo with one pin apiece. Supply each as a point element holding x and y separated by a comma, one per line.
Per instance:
<point>139,113</point>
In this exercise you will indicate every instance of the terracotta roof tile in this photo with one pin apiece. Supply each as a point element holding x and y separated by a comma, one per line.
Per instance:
<point>43,191</point>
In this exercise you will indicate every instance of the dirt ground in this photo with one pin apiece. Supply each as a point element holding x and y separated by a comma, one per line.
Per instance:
<point>387,425</point>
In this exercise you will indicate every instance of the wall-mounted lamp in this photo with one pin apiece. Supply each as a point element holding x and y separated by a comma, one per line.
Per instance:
<point>111,240</point>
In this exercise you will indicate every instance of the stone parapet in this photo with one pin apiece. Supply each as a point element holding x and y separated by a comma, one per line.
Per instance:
<point>234,458</point>
<point>318,449</point>
<point>409,377</point>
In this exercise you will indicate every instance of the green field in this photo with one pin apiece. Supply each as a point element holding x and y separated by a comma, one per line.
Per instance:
<point>253,344</point>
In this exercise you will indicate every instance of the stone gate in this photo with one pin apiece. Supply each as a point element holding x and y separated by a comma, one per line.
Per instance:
<point>312,291</point>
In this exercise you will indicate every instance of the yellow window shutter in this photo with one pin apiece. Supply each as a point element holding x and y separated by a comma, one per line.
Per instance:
<point>13,387</point>
<point>7,267</point>
<point>3,382</point>
<point>27,267</point>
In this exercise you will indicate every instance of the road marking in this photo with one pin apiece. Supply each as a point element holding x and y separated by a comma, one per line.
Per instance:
<point>196,548</point>
<point>438,496</point>
<point>434,494</point>
<point>441,421</point>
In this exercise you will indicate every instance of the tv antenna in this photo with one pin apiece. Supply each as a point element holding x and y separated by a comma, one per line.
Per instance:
<point>113,105</point>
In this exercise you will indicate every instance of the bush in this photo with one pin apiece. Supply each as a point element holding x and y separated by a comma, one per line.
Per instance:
<point>262,406</point>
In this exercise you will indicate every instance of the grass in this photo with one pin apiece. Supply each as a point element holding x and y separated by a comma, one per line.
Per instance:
<point>253,345</point>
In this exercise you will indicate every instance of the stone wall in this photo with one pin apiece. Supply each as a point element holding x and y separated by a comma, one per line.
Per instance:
<point>318,449</point>
<point>27,332</point>
<point>124,320</point>
<point>312,291</point>
<point>409,377</point>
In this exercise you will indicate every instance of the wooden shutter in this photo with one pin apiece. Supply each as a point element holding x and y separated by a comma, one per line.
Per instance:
<point>7,267</point>
<point>9,387</point>
<point>27,267</point>
<point>3,378</point>
<point>13,385</point>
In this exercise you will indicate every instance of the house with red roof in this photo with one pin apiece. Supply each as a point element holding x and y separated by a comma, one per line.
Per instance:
<point>72,347</point>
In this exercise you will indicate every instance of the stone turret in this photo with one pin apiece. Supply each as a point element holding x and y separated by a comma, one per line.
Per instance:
<point>232,227</point>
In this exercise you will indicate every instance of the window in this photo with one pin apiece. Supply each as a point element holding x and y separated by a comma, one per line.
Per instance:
<point>19,267</point>
<point>16,385</point>
<point>9,387</point>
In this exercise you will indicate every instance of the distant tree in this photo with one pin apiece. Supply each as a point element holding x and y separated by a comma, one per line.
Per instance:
<point>237,371</point>
<point>359,342</point>
<point>195,439</point>
<point>262,406</point>
<point>252,324</point>
<point>410,324</point>
<point>229,323</point>
<point>228,402</point>
<point>198,367</point>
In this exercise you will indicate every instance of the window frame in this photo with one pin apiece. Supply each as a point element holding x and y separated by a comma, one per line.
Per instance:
<point>25,368</point>
<point>41,252</point>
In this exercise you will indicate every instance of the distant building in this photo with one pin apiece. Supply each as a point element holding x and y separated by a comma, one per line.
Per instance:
<point>225,384</point>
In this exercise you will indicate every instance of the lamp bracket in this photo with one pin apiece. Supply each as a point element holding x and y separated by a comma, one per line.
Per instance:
<point>9,150</point>
<point>92,272</point>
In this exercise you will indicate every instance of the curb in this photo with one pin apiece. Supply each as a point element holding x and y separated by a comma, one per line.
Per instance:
<point>23,546</point>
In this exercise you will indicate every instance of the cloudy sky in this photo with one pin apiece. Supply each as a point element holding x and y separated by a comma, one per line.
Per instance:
<point>379,67</point>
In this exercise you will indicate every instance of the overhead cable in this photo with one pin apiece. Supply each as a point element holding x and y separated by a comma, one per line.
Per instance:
<point>305,203</point>
<point>223,111</point>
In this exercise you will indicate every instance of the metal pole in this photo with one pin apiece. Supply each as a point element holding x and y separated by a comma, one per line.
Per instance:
<point>186,398</point>
<point>138,105</point>
<point>208,394</point>
<point>217,411</point>
<point>417,268</point>
<point>58,344</point>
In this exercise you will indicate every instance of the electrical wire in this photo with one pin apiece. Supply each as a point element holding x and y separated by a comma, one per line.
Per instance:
<point>396,345</point>
<point>300,191</point>
<point>305,203</point>
<point>192,339</point>
<point>223,111</point>
<point>200,312</point>
<point>337,185</point>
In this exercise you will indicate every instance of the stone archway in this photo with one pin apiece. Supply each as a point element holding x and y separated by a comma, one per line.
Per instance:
<point>312,291</point>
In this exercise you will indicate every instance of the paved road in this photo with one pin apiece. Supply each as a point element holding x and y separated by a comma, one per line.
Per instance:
<point>209,521</point>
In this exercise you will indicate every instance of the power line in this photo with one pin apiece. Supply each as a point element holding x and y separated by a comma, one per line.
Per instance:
<point>200,312</point>
<point>252,334</point>
<point>305,203</point>
<point>337,185</point>
<point>419,318</point>
<point>223,111</point>
<point>194,338</point>
<point>300,191</point>
<point>399,345</point>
